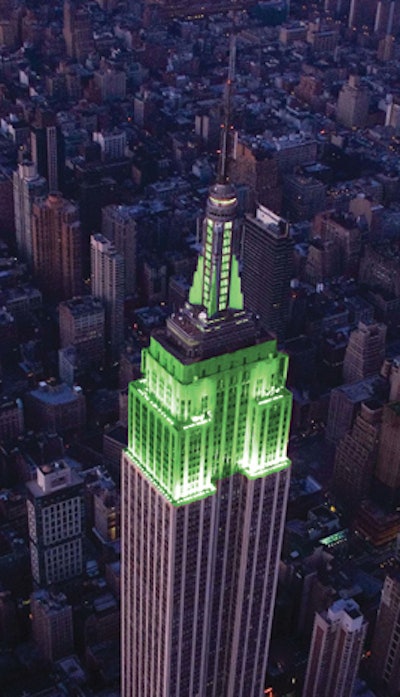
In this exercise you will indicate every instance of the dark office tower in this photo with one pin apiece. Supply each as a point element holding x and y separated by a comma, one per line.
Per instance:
<point>78,33</point>
<point>204,488</point>
<point>28,185</point>
<point>267,269</point>
<point>387,474</point>
<point>107,278</point>
<point>119,226</point>
<point>56,246</point>
<point>337,7</point>
<point>48,152</point>
<point>387,17</point>
<point>82,326</point>
<point>385,650</point>
<point>362,14</point>
<point>56,523</point>
<point>356,455</point>
<point>336,649</point>
<point>5,9</point>
<point>52,626</point>
<point>365,351</point>
<point>7,224</point>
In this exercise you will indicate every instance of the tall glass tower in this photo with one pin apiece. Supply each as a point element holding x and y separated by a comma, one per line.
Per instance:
<point>205,482</point>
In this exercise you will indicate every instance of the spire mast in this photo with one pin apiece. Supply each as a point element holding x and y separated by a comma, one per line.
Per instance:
<point>223,158</point>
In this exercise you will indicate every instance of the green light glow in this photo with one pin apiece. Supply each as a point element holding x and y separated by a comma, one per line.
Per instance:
<point>192,424</point>
<point>217,270</point>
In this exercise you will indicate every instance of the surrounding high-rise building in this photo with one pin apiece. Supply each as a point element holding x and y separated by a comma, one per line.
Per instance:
<point>204,488</point>
<point>57,247</point>
<point>387,18</point>
<point>336,648</point>
<point>7,222</point>
<point>385,649</point>
<point>55,408</point>
<point>267,269</point>
<point>107,276</point>
<point>112,144</point>
<point>56,523</point>
<point>28,185</point>
<point>362,14</point>
<point>111,83</point>
<point>353,103</point>
<point>52,627</point>
<point>387,473</point>
<point>356,455</point>
<point>345,403</point>
<point>365,351</point>
<point>48,149</point>
<point>82,323</point>
<point>11,419</point>
<point>345,234</point>
<point>119,226</point>
<point>9,629</point>
<point>303,197</point>
<point>255,165</point>
<point>78,33</point>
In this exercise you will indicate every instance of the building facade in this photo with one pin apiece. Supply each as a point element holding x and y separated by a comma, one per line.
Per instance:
<point>204,489</point>
<point>336,648</point>
<point>56,523</point>
<point>48,149</point>
<point>28,185</point>
<point>267,269</point>
<point>365,351</point>
<point>385,649</point>
<point>57,246</point>
<point>119,226</point>
<point>52,624</point>
<point>82,322</point>
<point>108,281</point>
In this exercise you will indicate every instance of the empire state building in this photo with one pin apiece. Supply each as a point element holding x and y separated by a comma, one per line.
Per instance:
<point>205,482</point>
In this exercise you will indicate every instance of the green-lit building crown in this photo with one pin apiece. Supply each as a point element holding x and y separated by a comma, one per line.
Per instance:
<point>212,401</point>
<point>216,283</point>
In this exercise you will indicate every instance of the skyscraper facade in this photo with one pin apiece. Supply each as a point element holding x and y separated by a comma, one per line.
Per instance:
<point>77,31</point>
<point>336,648</point>
<point>52,624</point>
<point>82,326</point>
<point>385,650</point>
<point>365,351</point>
<point>107,277</point>
<point>267,268</point>
<point>56,524</point>
<point>119,225</point>
<point>28,185</point>
<point>57,246</point>
<point>204,488</point>
<point>387,472</point>
<point>48,150</point>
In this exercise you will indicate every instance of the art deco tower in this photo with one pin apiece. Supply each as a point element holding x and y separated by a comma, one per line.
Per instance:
<point>204,484</point>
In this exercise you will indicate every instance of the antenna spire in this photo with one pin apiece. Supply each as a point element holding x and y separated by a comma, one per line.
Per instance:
<point>223,158</point>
